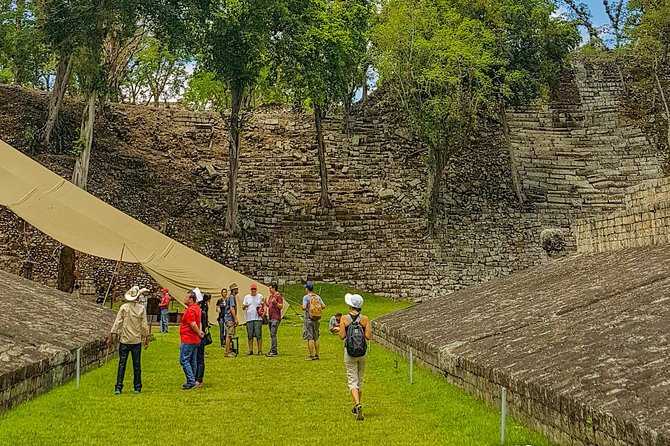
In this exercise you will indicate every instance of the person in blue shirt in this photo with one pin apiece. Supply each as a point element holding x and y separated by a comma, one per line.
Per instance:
<point>310,331</point>
<point>230,317</point>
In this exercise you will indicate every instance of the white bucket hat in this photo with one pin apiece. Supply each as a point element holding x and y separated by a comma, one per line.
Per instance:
<point>354,300</point>
<point>134,293</point>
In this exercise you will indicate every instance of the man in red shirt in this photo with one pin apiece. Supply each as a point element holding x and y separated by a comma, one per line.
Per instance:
<point>275,304</point>
<point>190,333</point>
<point>163,305</point>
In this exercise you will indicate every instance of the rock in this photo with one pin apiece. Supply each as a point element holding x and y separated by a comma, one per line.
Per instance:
<point>291,199</point>
<point>211,170</point>
<point>386,194</point>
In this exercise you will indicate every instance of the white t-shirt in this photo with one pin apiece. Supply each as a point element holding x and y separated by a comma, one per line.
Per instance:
<point>253,302</point>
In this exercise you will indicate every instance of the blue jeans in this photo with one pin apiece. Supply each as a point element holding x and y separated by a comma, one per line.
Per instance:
<point>164,320</point>
<point>187,358</point>
<point>136,351</point>
<point>222,332</point>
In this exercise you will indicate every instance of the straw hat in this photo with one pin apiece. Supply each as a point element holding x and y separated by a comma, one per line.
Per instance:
<point>133,293</point>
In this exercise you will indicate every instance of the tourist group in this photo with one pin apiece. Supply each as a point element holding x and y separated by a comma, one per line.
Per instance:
<point>131,331</point>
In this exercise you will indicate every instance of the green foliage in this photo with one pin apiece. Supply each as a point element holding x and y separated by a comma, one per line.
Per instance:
<point>204,92</point>
<point>651,30</point>
<point>24,55</point>
<point>236,43</point>
<point>322,48</point>
<point>155,71</point>
<point>244,397</point>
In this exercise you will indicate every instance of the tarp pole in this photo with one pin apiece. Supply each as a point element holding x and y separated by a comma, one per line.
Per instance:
<point>114,274</point>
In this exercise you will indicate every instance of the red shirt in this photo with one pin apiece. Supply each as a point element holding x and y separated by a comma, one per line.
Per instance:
<point>274,313</point>
<point>165,301</point>
<point>192,314</point>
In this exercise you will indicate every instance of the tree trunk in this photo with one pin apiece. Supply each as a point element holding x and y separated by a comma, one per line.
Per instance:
<point>66,269</point>
<point>66,266</point>
<point>514,171</point>
<point>18,23</point>
<point>324,202</point>
<point>235,123</point>
<point>80,174</point>
<point>435,173</point>
<point>665,104</point>
<point>57,94</point>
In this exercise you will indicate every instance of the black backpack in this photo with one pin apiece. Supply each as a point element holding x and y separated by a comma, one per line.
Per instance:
<point>355,341</point>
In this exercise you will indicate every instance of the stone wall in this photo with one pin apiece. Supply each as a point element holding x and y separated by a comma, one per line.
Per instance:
<point>580,345</point>
<point>41,332</point>
<point>168,168</point>
<point>644,220</point>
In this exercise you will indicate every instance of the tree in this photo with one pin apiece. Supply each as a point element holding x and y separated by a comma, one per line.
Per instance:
<point>651,45</point>
<point>204,92</point>
<point>452,67</point>
<point>156,70</point>
<point>320,54</point>
<point>234,46</point>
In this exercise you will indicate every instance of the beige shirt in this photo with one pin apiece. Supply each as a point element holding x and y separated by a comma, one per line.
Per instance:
<point>131,323</point>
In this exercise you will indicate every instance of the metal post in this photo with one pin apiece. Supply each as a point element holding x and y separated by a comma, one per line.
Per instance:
<point>411,365</point>
<point>503,413</point>
<point>78,365</point>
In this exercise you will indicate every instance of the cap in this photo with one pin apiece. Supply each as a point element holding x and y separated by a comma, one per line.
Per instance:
<point>164,290</point>
<point>253,286</point>
<point>309,286</point>
<point>233,286</point>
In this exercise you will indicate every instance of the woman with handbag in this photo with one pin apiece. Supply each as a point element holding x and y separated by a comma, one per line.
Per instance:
<point>206,340</point>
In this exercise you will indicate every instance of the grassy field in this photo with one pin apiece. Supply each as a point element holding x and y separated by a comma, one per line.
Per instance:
<point>259,400</point>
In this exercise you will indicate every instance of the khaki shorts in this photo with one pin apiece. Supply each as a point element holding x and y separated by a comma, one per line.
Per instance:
<point>230,329</point>
<point>355,369</point>
<point>254,329</point>
<point>310,331</point>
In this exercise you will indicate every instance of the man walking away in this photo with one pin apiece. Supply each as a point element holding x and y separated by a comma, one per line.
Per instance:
<point>190,334</point>
<point>313,306</point>
<point>275,305</point>
<point>221,311</point>
<point>251,304</point>
<point>355,331</point>
<point>163,305</point>
<point>230,318</point>
<point>132,330</point>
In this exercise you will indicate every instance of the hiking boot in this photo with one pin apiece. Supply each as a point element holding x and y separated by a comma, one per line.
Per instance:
<point>359,413</point>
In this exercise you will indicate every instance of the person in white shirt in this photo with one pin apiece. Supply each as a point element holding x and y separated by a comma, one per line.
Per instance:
<point>254,304</point>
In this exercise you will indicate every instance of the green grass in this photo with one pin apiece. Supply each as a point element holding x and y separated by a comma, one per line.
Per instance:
<point>252,400</point>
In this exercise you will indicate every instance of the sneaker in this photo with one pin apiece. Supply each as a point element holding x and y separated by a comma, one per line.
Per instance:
<point>359,413</point>
<point>316,358</point>
<point>187,386</point>
<point>117,392</point>
<point>311,358</point>
<point>229,355</point>
<point>260,353</point>
<point>137,391</point>
<point>271,355</point>
<point>353,411</point>
<point>250,353</point>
